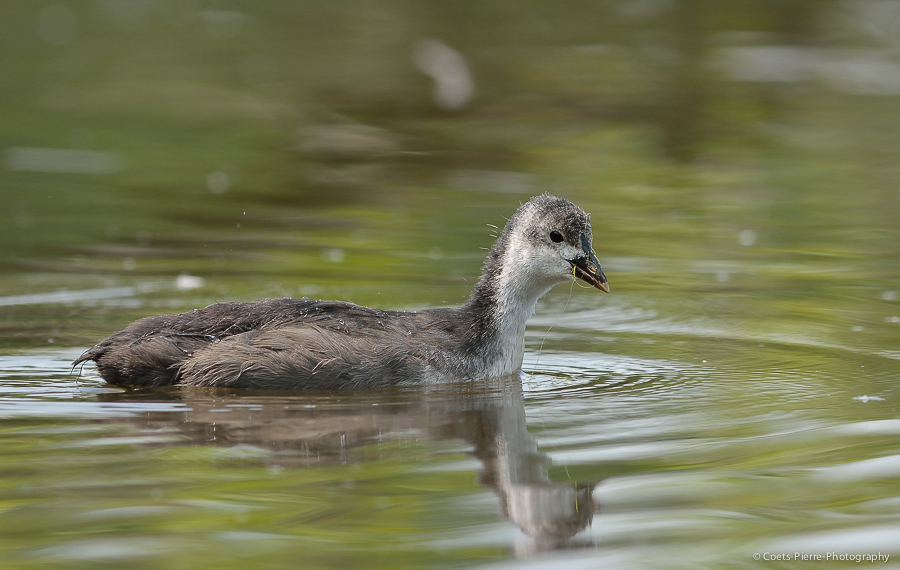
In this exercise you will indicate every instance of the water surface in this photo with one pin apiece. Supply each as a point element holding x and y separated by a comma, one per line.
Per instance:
<point>629,439</point>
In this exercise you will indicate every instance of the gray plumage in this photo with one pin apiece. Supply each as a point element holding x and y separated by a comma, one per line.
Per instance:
<point>303,343</point>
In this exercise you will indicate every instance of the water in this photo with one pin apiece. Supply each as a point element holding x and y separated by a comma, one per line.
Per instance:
<point>736,395</point>
<point>630,440</point>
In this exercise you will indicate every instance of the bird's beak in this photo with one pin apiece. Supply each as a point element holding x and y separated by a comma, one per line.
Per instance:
<point>587,268</point>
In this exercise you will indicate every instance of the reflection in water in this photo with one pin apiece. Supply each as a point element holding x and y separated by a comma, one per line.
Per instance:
<point>324,427</point>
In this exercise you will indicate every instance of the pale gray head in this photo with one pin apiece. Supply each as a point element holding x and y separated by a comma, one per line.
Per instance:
<point>547,242</point>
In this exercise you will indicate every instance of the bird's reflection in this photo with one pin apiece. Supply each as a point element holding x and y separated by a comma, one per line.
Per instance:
<point>315,428</point>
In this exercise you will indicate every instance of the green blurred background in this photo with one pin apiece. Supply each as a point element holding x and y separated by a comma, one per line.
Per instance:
<point>333,149</point>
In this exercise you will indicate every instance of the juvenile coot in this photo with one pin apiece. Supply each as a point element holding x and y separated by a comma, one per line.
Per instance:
<point>303,343</point>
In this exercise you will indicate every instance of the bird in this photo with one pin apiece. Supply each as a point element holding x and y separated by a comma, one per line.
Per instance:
<point>282,344</point>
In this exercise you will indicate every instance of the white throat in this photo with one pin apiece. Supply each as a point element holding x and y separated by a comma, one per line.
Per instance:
<point>518,286</point>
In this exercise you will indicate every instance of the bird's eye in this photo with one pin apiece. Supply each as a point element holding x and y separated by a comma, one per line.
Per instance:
<point>555,236</point>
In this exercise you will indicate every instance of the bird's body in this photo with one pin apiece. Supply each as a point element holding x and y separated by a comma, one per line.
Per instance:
<point>289,343</point>
<point>303,343</point>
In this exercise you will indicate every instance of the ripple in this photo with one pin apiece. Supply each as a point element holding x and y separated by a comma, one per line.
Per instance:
<point>866,540</point>
<point>25,408</point>
<point>617,453</point>
<point>38,362</point>
<point>619,320</point>
<point>64,297</point>
<point>859,471</point>
<point>105,549</point>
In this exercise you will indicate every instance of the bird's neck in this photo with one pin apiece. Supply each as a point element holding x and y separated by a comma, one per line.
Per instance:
<point>501,302</point>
